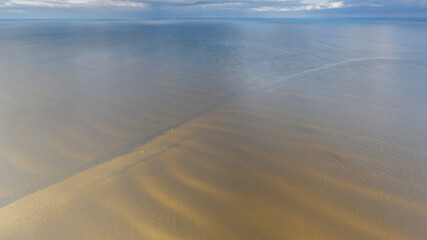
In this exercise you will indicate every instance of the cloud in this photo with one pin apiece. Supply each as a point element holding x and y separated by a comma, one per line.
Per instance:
<point>72,3</point>
<point>227,8</point>
<point>307,7</point>
<point>339,4</point>
<point>258,5</point>
<point>221,5</point>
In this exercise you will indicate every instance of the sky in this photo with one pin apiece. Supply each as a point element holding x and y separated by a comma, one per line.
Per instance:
<point>210,8</point>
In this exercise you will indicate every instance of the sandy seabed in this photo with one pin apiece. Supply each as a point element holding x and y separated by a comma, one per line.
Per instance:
<point>273,165</point>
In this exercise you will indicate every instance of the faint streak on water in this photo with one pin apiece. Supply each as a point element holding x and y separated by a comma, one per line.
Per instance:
<point>349,96</point>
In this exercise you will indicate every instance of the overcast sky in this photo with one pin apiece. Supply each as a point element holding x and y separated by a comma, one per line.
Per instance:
<point>210,8</point>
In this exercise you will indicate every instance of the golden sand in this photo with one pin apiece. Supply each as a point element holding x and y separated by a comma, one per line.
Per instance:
<point>252,169</point>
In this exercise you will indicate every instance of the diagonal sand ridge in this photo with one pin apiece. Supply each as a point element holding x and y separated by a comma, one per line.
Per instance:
<point>239,172</point>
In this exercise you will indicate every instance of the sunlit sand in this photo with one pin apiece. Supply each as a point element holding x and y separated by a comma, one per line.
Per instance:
<point>247,170</point>
<point>213,130</point>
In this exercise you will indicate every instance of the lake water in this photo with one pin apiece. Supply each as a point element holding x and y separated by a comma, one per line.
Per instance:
<point>335,108</point>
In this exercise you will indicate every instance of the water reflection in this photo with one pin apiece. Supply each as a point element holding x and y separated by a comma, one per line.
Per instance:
<point>338,95</point>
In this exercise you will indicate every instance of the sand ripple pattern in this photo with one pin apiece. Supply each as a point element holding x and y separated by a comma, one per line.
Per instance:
<point>273,165</point>
<point>244,130</point>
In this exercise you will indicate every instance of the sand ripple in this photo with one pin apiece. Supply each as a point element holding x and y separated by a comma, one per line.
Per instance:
<point>244,171</point>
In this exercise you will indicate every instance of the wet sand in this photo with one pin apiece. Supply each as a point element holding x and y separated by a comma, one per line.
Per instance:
<point>273,164</point>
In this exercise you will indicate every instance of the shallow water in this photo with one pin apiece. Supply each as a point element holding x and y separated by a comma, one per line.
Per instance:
<point>322,124</point>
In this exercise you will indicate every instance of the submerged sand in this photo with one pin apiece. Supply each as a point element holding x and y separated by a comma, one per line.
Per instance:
<point>279,164</point>
<point>213,129</point>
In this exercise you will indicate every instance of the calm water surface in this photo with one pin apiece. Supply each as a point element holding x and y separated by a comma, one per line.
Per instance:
<point>76,94</point>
